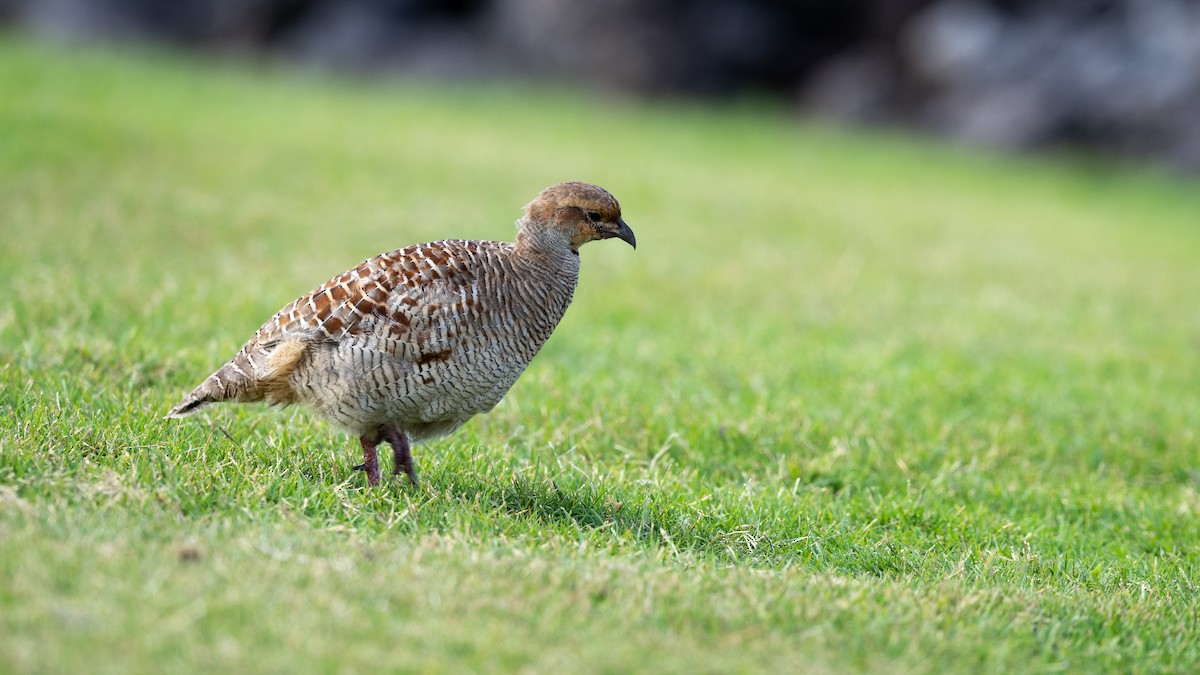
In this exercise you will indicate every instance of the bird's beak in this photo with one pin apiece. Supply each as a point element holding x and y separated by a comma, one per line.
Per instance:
<point>625,234</point>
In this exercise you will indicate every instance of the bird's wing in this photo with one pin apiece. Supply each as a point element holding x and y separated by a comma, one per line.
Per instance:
<point>390,292</point>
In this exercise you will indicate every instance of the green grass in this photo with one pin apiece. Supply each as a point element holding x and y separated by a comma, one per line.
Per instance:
<point>856,403</point>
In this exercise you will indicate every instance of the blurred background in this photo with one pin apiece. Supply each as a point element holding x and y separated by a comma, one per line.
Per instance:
<point>1113,77</point>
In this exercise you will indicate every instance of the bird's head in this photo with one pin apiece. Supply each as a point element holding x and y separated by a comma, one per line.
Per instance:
<point>572,214</point>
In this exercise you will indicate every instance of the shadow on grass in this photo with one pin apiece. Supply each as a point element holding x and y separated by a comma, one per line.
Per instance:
<point>531,504</point>
<point>645,518</point>
<point>543,500</point>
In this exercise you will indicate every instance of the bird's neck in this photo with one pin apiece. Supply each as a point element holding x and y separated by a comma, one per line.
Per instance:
<point>547,276</point>
<point>547,249</point>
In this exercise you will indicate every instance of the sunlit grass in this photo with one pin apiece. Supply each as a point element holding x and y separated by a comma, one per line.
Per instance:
<point>855,403</point>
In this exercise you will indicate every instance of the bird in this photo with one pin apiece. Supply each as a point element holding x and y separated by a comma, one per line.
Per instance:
<point>409,345</point>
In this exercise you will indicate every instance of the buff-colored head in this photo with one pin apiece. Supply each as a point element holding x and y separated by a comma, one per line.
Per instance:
<point>572,214</point>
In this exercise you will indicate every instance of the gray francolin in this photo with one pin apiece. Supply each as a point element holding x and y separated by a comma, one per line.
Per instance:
<point>411,344</point>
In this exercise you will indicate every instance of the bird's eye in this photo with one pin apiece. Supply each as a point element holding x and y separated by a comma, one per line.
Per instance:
<point>593,216</point>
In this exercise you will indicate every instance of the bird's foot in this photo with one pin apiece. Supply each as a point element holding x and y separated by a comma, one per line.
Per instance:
<point>370,461</point>
<point>408,471</point>
<point>405,470</point>
<point>401,453</point>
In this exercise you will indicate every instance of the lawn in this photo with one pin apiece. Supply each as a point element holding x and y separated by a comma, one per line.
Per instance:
<point>857,403</point>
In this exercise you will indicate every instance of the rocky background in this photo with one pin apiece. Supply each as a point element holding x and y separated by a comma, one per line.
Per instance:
<point>1120,76</point>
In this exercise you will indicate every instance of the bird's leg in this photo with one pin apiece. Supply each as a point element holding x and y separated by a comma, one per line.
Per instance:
<point>401,453</point>
<point>370,459</point>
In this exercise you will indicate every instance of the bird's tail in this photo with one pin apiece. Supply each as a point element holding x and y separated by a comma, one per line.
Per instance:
<point>190,404</point>
<point>210,391</point>
<point>233,381</point>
